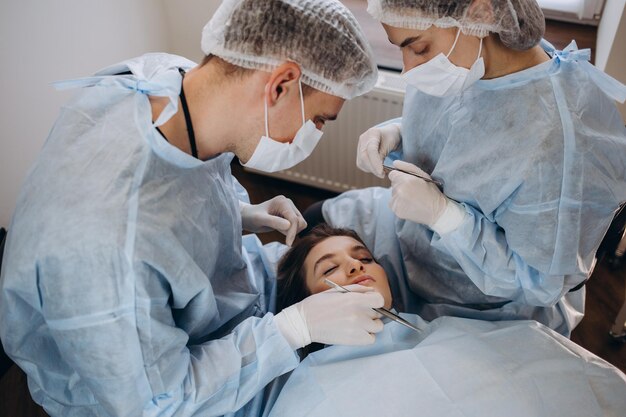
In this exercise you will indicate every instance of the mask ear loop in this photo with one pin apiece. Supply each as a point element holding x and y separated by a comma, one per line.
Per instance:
<point>267,129</point>
<point>301,99</point>
<point>480,49</point>
<point>267,125</point>
<point>458,33</point>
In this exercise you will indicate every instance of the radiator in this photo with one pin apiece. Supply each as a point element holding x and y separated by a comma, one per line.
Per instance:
<point>575,11</point>
<point>332,166</point>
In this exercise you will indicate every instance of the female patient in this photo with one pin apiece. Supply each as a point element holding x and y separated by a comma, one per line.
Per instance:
<point>328,253</point>
<point>455,366</point>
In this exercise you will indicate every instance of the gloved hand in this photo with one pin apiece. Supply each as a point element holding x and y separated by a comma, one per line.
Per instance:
<point>422,202</point>
<point>374,145</point>
<point>279,213</point>
<point>333,317</point>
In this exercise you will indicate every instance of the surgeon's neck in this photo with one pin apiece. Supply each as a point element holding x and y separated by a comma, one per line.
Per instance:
<point>227,111</point>
<point>501,61</point>
<point>219,110</point>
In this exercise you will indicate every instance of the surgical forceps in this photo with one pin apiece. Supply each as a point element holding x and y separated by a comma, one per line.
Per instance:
<point>381,310</point>
<point>387,169</point>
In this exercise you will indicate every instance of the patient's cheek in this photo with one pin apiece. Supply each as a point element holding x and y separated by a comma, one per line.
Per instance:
<point>318,287</point>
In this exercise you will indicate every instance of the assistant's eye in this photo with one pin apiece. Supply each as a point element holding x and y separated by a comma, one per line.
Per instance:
<point>329,270</point>
<point>420,51</point>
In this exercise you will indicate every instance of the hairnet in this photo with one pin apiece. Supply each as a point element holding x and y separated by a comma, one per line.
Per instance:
<point>322,36</point>
<point>520,24</point>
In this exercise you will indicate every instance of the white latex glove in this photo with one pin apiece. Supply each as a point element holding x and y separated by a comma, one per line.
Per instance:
<point>279,213</point>
<point>374,145</point>
<point>422,202</point>
<point>333,317</point>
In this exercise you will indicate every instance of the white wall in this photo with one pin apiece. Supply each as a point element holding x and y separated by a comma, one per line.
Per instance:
<point>45,41</point>
<point>611,43</point>
<point>187,18</point>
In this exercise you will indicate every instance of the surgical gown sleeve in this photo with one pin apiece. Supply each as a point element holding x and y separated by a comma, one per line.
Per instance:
<point>494,254</point>
<point>106,348</point>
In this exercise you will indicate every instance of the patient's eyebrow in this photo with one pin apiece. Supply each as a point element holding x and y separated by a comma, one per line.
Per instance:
<point>320,260</point>
<point>359,248</point>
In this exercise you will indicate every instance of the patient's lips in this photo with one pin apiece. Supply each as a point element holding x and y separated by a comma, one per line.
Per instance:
<point>363,280</point>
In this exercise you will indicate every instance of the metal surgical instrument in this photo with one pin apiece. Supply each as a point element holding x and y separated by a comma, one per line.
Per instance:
<point>380,310</point>
<point>387,169</point>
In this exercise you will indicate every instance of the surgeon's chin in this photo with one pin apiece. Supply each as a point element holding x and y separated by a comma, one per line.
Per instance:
<point>244,153</point>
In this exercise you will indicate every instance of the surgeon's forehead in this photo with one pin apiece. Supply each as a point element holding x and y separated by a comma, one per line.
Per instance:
<point>327,103</point>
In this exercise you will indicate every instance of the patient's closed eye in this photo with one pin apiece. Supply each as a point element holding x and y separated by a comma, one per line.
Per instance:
<point>328,271</point>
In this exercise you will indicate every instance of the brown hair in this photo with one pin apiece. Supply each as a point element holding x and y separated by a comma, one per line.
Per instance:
<point>230,70</point>
<point>291,279</point>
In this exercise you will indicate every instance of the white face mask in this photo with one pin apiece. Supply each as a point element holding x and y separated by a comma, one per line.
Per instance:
<point>440,77</point>
<point>272,156</point>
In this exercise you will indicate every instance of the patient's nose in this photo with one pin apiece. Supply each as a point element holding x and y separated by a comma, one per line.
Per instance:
<point>356,266</point>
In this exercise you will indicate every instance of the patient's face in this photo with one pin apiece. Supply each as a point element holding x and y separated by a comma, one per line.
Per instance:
<point>344,261</point>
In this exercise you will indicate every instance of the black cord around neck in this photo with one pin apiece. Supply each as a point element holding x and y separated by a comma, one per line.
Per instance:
<point>190,132</point>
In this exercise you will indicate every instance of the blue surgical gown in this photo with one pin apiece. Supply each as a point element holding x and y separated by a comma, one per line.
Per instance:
<point>538,160</point>
<point>125,290</point>
<point>456,367</point>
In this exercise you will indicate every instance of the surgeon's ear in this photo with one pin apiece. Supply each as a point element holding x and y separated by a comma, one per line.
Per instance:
<point>282,81</point>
